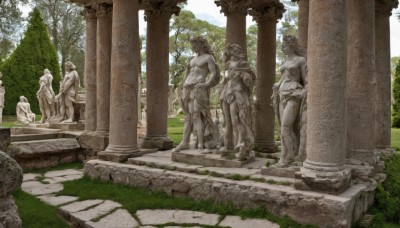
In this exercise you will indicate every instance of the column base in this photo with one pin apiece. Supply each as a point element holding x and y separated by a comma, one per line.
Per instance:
<point>92,141</point>
<point>119,153</point>
<point>323,177</point>
<point>159,142</point>
<point>265,147</point>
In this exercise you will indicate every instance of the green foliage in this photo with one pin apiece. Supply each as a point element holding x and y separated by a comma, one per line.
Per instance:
<point>22,70</point>
<point>387,197</point>
<point>36,214</point>
<point>396,97</point>
<point>396,139</point>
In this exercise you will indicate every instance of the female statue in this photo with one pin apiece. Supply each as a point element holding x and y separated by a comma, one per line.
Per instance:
<point>289,99</point>
<point>46,96</point>
<point>23,110</point>
<point>237,103</point>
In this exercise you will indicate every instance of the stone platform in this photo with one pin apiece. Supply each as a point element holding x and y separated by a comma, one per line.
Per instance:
<point>195,157</point>
<point>244,187</point>
<point>68,126</point>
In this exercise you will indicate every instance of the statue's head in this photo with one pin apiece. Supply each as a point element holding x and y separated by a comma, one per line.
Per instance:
<point>235,51</point>
<point>23,99</point>
<point>289,44</point>
<point>199,44</point>
<point>46,71</point>
<point>69,66</point>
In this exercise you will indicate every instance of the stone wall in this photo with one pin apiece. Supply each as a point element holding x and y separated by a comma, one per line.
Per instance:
<point>302,206</point>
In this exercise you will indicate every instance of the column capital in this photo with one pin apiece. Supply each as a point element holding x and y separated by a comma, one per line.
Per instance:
<point>229,6</point>
<point>269,11</point>
<point>89,12</point>
<point>156,8</point>
<point>385,6</point>
<point>104,10</point>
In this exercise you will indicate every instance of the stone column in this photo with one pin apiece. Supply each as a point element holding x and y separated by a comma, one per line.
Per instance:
<point>90,69</point>
<point>266,15</point>
<point>383,74</point>
<point>104,23</point>
<point>235,11</point>
<point>361,77</point>
<point>158,15</point>
<point>324,168</point>
<point>303,22</point>
<point>123,115</point>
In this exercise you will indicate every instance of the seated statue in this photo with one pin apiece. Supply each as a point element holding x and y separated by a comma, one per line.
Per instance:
<point>23,110</point>
<point>196,98</point>
<point>237,103</point>
<point>289,101</point>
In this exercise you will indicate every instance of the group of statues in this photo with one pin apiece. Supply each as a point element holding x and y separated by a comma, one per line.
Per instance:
<point>236,101</point>
<point>54,108</point>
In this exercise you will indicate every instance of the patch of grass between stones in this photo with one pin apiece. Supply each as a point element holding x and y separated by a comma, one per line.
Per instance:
<point>134,199</point>
<point>36,214</point>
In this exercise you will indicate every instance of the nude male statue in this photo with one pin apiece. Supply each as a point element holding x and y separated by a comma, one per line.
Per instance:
<point>196,97</point>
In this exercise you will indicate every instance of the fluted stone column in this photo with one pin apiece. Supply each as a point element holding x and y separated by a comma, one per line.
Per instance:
<point>104,23</point>
<point>383,73</point>
<point>324,168</point>
<point>90,69</point>
<point>267,15</point>
<point>123,115</point>
<point>361,77</point>
<point>158,15</point>
<point>235,11</point>
<point>303,22</point>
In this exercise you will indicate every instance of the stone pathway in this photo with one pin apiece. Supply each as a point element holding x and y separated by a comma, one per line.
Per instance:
<point>109,214</point>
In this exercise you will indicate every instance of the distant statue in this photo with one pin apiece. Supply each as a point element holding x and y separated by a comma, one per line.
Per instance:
<point>196,98</point>
<point>23,110</point>
<point>2,92</point>
<point>237,103</point>
<point>46,97</point>
<point>289,100</point>
<point>68,93</point>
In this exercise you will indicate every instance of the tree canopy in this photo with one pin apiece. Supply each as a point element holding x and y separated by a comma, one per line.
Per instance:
<point>22,70</point>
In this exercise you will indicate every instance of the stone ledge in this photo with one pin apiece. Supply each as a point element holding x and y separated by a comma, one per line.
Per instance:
<point>195,157</point>
<point>68,126</point>
<point>302,206</point>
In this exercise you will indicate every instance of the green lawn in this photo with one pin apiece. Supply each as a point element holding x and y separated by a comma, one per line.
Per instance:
<point>396,138</point>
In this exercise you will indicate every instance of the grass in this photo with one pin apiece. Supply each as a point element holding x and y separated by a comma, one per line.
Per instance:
<point>10,121</point>
<point>396,138</point>
<point>75,165</point>
<point>134,199</point>
<point>36,214</point>
<point>175,129</point>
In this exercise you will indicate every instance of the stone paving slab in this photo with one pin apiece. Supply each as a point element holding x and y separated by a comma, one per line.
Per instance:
<point>30,176</point>
<point>237,222</point>
<point>65,172</point>
<point>79,206</point>
<point>57,200</point>
<point>37,188</point>
<point>100,210</point>
<point>153,217</point>
<point>118,219</point>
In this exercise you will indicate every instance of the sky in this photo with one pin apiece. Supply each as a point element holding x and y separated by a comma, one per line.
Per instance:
<point>208,11</point>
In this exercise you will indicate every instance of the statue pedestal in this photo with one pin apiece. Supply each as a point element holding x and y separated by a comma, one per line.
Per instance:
<point>195,157</point>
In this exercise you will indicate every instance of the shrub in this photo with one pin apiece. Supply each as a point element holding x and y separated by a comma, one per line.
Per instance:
<point>22,70</point>
<point>396,97</point>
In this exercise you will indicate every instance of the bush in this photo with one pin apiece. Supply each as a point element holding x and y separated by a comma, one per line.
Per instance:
<point>396,96</point>
<point>22,70</point>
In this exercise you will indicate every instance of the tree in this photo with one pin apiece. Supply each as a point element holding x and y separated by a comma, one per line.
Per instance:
<point>252,46</point>
<point>289,27</point>
<point>66,27</point>
<point>22,70</point>
<point>10,21</point>
<point>396,98</point>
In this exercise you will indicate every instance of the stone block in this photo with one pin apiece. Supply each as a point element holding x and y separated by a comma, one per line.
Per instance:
<point>93,141</point>
<point>237,222</point>
<point>57,200</point>
<point>161,143</point>
<point>102,209</point>
<point>4,138</point>
<point>195,157</point>
<point>66,210</point>
<point>68,126</point>
<point>280,171</point>
<point>154,217</point>
<point>118,219</point>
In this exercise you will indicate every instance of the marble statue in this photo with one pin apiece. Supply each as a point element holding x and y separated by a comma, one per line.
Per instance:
<point>289,101</point>
<point>23,110</point>
<point>68,93</point>
<point>2,92</point>
<point>46,96</point>
<point>237,103</point>
<point>196,98</point>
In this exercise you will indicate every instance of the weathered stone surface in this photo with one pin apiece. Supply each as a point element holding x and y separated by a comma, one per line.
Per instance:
<point>335,211</point>
<point>78,206</point>
<point>9,217</point>
<point>280,171</point>
<point>95,142</point>
<point>46,146</point>
<point>104,208</point>
<point>4,138</point>
<point>120,218</point>
<point>30,176</point>
<point>154,217</point>
<point>11,175</point>
<point>65,172</point>
<point>237,222</point>
<point>37,188</point>
<point>57,200</point>
<point>195,157</point>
